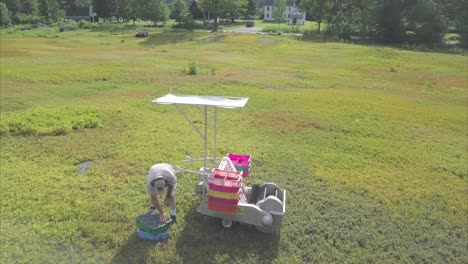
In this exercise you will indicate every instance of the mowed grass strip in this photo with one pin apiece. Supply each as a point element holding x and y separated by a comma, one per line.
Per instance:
<point>369,142</point>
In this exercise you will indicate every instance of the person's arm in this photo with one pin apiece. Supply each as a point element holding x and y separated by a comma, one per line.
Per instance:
<point>157,205</point>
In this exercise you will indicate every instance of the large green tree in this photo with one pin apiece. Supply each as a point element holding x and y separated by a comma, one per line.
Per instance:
<point>316,8</point>
<point>129,9</point>
<point>229,8</point>
<point>425,19</point>
<point>50,10</point>
<point>13,6</point>
<point>389,22</point>
<point>456,12</point>
<point>234,8</point>
<point>195,11</point>
<point>252,8</point>
<point>102,8</point>
<point>29,7</point>
<point>4,16</point>
<point>155,10</point>
<point>179,11</point>
<point>461,21</point>
<point>278,11</point>
<point>214,7</point>
<point>365,16</point>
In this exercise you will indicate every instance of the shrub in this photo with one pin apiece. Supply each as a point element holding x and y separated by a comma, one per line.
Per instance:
<point>86,25</point>
<point>314,35</point>
<point>40,122</point>
<point>271,29</point>
<point>452,36</point>
<point>70,27</point>
<point>192,67</point>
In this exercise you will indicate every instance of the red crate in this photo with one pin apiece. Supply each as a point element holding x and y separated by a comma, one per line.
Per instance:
<point>222,201</point>
<point>222,208</point>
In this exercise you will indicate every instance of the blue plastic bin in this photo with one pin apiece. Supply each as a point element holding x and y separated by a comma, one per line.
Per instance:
<point>149,236</point>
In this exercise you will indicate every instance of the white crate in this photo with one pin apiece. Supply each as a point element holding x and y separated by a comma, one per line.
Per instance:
<point>226,164</point>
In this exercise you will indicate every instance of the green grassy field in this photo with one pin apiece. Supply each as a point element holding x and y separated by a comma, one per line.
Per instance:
<point>369,141</point>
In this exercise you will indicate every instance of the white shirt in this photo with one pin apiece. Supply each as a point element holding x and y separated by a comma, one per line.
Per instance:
<point>161,170</point>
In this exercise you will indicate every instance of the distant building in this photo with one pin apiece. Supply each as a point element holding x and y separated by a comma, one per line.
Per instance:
<point>293,14</point>
<point>86,13</point>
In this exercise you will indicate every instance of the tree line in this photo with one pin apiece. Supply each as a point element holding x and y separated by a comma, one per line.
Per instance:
<point>385,21</point>
<point>33,11</point>
<point>391,21</point>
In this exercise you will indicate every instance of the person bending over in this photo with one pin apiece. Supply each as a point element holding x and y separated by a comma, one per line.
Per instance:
<point>162,177</point>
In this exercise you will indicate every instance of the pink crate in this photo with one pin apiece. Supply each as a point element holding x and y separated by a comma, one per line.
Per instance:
<point>239,160</point>
<point>242,163</point>
<point>221,201</point>
<point>226,175</point>
<point>220,185</point>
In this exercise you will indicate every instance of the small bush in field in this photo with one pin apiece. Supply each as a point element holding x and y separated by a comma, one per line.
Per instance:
<point>86,25</point>
<point>192,67</point>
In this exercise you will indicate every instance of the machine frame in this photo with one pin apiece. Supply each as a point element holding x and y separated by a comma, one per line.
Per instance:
<point>263,207</point>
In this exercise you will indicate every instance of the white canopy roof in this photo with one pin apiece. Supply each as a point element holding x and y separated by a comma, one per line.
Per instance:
<point>216,101</point>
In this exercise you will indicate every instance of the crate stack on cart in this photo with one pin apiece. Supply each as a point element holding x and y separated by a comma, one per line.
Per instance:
<point>241,163</point>
<point>225,184</point>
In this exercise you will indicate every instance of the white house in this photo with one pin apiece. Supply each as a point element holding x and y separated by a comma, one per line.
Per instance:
<point>293,14</point>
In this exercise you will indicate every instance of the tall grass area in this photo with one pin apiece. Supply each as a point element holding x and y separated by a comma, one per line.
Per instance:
<point>370,143</point>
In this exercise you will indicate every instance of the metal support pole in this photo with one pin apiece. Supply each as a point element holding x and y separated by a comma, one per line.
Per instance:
<point>206,139</point>
<point>215,132</point>
<point>190,122</point>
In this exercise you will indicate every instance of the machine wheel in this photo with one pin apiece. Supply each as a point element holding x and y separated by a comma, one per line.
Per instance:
<point>226,223</point>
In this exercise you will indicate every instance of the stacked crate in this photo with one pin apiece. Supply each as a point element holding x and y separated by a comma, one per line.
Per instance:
<point>224,190</point>
<point>241,163</point>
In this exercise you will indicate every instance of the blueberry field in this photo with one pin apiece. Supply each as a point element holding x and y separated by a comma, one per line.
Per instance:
<point>370,143</point>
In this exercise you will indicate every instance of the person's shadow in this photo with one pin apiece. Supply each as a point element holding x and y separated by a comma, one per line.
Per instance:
<point>134,250</point>
<point>205,240</point>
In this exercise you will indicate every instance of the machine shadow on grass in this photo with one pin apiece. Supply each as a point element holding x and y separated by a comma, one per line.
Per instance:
<point>134,250</point>
<point>205,240</point>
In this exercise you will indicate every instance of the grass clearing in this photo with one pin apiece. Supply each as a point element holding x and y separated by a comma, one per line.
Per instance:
<point>374,160</point>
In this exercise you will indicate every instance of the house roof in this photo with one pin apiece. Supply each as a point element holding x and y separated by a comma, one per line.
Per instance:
<point>296,14</point>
